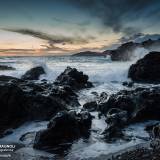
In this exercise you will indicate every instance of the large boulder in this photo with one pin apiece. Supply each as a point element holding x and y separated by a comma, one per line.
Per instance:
<point>13,111</point>
<point>34,73</point>
<point>73,78</point>
<point>116,116</point>
<point>141,104</point>
<point>90,106</point>
<point>22,101</point>
<point>62,129</point>
<point>128,107</point>
<point>116,120</point>
<point>146,69</point>
<point>66,94</point>
<point>43,101</point>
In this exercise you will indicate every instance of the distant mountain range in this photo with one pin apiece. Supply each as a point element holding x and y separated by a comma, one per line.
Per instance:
<point>125,51</point>
<point>89,53</point>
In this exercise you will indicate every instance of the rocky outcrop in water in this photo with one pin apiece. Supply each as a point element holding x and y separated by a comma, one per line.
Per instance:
<point>13,111</point>
<point>90,106</point>
<point>34,73</point>
<point>146,69</point>
<point>116,119</point>
<point>62,129</point>
<point>73,78</point>
<point>138,153</point>
<point>127,107</point>
<point>4,67</point>
<point>141,103</point>
<point>23,100</point>
<point>124,52</point>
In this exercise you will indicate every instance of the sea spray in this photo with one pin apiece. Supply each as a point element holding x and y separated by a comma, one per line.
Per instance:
<point>138,53</point>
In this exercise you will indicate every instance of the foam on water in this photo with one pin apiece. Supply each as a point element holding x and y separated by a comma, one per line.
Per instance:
<point>139,53</point>
<point>101,71</point>
<point>25,128</point>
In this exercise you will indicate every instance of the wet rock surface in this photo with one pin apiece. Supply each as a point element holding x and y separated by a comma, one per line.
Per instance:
<point>63,129</point>
<point>116,119</point>
<point>90,106</point>
<point>13,111</point>
<point>34,73</point>
<point>146,69</point>
<point>128,107</point>
<point>73,78</point>
<point>138,154</point>
<point>23,100</point>
<point>4,78</point>
<point>140,103</point>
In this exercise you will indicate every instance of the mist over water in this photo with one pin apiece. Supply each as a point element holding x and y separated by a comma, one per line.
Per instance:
<point>105,74</point>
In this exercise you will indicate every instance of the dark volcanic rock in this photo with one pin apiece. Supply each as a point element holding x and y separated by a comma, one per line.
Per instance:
<point>141,103</point>
<point>64,128</point>
<point>66,94</point>
<point>23,101</point>
<point>154,130</point>
<point>4,78</point>
<point>146,69</point>
<point>128,84</point>
<point>13,111</point>
<point>116,116</point>
<point>90,106</point>
<point>41,107</point>
<point>125,52</point>
<point>73,78</point>
<point>138,153</point>
<point>127,107</point>
<point>116,120</point>
<point>33,74</point>
<point>3,67</point>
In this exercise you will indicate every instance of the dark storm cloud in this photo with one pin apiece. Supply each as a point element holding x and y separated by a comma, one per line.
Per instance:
<point>52,39</point>
<point>139,37</point>
<point>80,24</point>
<point>52,47</point>
<point>117,14</point>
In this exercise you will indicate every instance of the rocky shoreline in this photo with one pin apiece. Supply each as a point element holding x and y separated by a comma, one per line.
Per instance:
<point>23,99</point>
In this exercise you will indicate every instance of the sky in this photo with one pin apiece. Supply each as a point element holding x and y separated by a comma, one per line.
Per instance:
<point>52,27</point>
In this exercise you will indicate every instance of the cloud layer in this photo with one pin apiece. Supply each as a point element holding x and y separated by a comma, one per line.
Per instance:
<point>52,39</point>
<point>122,15</point>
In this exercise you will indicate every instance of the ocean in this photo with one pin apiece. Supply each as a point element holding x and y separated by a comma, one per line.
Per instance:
<point>106,76</point>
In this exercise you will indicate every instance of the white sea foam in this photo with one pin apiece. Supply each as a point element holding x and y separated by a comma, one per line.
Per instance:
<point>139,53</point>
